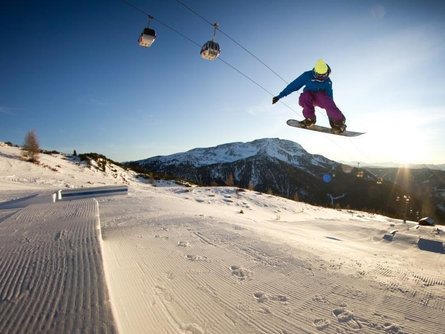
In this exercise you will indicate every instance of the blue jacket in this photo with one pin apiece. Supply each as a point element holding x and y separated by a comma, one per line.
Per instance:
<point>307,79</point>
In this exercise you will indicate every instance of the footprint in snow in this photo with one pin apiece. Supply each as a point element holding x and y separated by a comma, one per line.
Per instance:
<point>192,329</point>
<point>347,317</point>
<point>192,257</point>
<point>279,298</point>
<point>321,324</point>
<point>240,272</point>
<point>391,328</point>
<point>260,297</point>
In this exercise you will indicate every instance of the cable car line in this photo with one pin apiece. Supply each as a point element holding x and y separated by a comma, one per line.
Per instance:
<point>178,32</point>
<point>246,76</point>
<point>137,8</point>
<point>197,44</point>
<point>233,40</point>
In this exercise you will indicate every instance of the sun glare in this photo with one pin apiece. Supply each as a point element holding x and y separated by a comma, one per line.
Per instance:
<point>404,143</point>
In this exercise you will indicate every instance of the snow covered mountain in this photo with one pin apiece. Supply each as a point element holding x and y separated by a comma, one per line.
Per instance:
<point>284,150</point>
<point>271,164</point>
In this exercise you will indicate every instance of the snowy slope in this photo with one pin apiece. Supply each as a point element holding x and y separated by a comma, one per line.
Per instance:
<point>55,171</point>
<point>181,259</point>
<point>216,260</point>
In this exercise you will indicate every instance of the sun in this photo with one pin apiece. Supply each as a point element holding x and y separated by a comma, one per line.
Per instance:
<point>404,143</point>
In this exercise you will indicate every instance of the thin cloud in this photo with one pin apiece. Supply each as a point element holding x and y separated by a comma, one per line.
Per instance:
<point>5,110</point>
<point>266,107</point>
<point>260,109</point>
<point>94,102</point>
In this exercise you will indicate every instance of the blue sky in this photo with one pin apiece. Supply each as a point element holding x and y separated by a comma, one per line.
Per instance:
<point>74,72</point>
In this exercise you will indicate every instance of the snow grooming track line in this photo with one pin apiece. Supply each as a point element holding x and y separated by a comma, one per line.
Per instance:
<point>105,272</point>
<point>51,271</point>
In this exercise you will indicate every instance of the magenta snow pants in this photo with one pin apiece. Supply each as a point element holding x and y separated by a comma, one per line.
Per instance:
<point>309,100</point>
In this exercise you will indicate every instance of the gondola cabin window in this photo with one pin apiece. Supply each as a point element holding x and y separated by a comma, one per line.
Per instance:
<point>210,50</point>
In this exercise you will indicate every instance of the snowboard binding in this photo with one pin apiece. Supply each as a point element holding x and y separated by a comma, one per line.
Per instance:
<point>307,122</point>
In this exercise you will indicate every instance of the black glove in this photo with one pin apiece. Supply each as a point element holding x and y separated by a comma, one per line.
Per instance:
<point>275,99</point>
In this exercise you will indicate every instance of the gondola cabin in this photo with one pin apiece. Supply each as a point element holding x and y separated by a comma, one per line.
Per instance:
<point>210,50</point>
<point>147,37</point>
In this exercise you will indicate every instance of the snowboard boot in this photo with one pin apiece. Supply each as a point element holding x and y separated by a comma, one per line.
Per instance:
<point>307,122</point>
<point>337,127</point>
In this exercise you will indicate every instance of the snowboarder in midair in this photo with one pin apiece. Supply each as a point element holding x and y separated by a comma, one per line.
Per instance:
<point>316,93</point>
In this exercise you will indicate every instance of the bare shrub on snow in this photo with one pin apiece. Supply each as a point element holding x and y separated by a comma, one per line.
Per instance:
<point>31,147</point>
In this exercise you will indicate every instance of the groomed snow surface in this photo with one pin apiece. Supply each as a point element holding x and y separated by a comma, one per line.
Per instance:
<point>168,258</point>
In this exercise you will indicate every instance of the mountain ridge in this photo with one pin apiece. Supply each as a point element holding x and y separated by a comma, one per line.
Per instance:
<point>282,149</point>
<point>285,168</point>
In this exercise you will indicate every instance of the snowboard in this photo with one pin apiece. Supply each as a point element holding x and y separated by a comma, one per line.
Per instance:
<point>319,128</point>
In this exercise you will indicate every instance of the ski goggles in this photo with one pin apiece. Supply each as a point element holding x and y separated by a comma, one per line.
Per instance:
<point>321,77</point>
